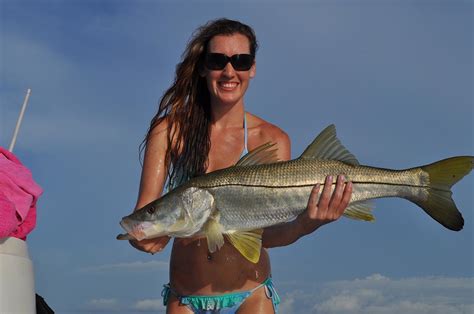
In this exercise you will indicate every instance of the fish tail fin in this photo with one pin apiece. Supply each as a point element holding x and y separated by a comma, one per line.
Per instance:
<point>439,203</point>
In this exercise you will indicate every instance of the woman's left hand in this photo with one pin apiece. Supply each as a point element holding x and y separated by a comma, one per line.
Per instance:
<point>328,208</point>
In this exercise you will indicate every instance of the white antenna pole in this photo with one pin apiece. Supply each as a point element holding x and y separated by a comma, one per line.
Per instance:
<point>20,118</point>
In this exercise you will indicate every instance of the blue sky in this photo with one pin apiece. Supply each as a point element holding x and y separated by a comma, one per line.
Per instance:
<point>395,77</point>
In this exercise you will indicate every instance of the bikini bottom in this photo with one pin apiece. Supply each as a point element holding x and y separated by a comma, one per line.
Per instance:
<point>227,303</point>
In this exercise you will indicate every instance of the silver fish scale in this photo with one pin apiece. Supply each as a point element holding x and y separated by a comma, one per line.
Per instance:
<point>257,196</point>
<point>301,172</point>
<point>244,207</point>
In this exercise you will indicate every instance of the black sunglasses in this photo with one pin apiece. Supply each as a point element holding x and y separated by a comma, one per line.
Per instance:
<point>218,61</point>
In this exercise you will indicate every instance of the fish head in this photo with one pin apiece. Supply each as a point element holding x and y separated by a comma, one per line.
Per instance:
<point>180,213</point>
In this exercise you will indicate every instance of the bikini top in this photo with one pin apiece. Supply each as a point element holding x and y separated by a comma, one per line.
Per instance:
<point>244,152</point>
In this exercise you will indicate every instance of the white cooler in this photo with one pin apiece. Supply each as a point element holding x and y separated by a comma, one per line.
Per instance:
<point>17,283</point>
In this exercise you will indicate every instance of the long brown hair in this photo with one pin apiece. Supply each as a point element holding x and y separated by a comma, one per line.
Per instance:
<point>186,104</point>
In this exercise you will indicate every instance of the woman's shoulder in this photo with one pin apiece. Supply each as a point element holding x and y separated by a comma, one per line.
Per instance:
<point>160,128</point>
<point>159,132</point>
<point>262,131</point>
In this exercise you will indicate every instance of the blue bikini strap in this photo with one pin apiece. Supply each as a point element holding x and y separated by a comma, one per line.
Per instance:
<point>245,134</point>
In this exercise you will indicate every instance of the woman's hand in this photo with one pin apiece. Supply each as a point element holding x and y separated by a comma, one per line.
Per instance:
<point>329,207</point>
<point>151,246</point>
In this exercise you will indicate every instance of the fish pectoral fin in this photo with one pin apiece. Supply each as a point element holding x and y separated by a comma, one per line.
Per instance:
<point>360,211</point>
<point>327,146</point>
<point>264,154</point>
<point>248,243</point>
<point>213,231</point>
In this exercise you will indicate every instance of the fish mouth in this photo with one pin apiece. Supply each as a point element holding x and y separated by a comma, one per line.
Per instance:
<point>136,229</point>
<point>124,236</point>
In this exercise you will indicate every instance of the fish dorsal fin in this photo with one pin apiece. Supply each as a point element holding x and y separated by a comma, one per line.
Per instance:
<point>248,243</point>
<point>361,210</point>
<point>264,154</point>
<point>213,231</point>
<point>327,146</point>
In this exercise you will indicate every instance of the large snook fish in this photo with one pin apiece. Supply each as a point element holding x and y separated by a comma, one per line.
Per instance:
<point>239,201</point>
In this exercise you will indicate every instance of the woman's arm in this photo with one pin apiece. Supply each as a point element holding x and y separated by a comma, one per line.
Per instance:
<point>152,182</point>
<point>328,209</point>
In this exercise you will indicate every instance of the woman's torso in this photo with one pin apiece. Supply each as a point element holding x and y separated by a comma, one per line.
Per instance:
<point>193,270</point>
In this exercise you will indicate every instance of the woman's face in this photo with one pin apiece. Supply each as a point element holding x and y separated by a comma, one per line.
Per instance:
<point>228,86</point>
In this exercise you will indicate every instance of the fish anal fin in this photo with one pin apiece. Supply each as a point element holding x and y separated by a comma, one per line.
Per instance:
<point>327,146</point>
<point>264,154</point>
<point>248,243</point>
<point>360,211</point>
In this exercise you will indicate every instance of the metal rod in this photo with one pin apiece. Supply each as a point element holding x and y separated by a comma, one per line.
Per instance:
<point>20,118</point>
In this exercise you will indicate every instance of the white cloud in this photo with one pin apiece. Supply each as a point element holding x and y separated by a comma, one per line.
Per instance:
<point>132,266</point>
<point>103,304</point>
<point>287,304</point>
<point>376,277</point>
<point>375,294</point>
<point>340,303</point>
<point>378,294</point>
<point>149,305</point>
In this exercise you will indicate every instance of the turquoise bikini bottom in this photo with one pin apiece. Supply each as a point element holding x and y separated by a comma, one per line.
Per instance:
<point>227,303</point>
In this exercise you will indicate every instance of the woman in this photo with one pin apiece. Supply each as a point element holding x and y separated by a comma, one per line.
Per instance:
<point>201,126</point>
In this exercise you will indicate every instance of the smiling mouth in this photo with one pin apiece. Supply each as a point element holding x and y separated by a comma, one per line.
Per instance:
<point>228,85</point>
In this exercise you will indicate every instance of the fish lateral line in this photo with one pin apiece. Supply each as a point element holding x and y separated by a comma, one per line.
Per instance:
<point>321,184</point>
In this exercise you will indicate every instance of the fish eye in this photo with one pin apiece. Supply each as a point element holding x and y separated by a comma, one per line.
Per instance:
<point>151,210</point>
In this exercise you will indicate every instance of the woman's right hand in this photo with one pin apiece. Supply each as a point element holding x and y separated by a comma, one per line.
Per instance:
<point>151,246</point>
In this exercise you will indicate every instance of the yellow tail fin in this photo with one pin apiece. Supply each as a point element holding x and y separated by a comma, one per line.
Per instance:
<point>442,176</point>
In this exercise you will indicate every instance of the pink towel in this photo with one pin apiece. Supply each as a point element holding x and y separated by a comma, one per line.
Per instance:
<point>18,196</point>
